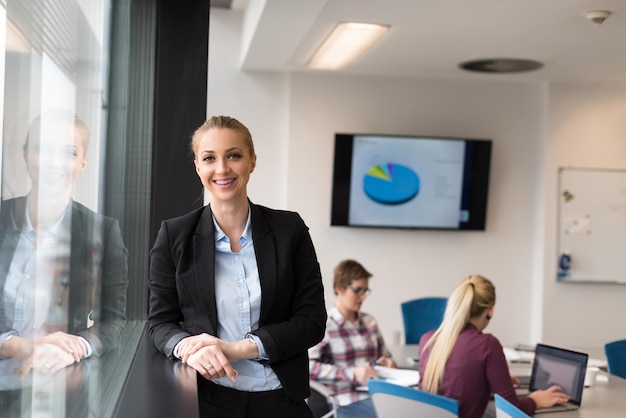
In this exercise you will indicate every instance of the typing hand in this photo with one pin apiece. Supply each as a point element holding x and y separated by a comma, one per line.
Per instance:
<point>549,397</point>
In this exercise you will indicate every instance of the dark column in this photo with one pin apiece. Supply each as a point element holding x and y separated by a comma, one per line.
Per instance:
<point>180,97</point>
<point>157,97</point>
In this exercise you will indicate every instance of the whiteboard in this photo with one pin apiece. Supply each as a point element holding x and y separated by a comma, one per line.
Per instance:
<point>592,224</point>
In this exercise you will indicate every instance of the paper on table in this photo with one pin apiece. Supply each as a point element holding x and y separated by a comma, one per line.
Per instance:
<point>517,356</point>
<point>596,362</point>
<point>402,377</point>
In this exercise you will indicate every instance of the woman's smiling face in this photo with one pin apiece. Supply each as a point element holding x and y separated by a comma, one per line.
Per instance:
<point>55,155</point>
<point>224,163</point>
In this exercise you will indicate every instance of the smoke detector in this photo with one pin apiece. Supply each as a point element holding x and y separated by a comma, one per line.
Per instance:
<point>597,16</point>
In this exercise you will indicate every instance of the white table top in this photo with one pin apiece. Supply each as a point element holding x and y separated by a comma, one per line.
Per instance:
<point>605,399</point>
<point>405,355</point>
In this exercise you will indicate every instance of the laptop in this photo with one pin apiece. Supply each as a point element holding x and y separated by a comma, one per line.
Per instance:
<point>559,366</point>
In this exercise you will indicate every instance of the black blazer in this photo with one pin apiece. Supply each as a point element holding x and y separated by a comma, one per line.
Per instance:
<point>98,273</point>
<point>293,313</point>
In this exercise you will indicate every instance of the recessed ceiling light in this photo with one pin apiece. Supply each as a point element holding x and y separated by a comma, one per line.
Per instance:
<point>345,44</point>
<point>501,65</point>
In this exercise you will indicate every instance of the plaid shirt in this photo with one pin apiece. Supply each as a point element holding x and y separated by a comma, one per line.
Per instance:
<point>346,345</point>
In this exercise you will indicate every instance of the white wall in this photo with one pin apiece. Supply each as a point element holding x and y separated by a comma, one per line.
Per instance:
<point>413,263</point>
<point>259,100</point>
<point>293,119</point>
<point>587,128</point>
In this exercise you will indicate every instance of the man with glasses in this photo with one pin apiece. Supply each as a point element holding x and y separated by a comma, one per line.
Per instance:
<point>352,344</point>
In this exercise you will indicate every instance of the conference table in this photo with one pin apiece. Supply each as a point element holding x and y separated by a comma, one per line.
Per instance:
<point>138,381</point>
<point>132,381</point>
<point>606,398</point>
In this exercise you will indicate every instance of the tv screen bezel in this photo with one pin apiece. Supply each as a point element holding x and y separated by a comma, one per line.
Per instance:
<point>476,174</point>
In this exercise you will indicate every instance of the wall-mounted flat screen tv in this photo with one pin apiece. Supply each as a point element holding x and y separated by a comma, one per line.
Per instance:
<point>418,182</point>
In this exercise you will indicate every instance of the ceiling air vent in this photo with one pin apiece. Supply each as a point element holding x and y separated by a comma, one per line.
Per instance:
<point>500,65</point>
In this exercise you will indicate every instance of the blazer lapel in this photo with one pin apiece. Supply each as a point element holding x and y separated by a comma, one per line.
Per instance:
<point>265,250</point>
<point>83,270</point>
<point>204,256</point>
<point>8,246</point>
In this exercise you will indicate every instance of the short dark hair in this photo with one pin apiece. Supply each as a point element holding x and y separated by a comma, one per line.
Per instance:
<point>346,272</point>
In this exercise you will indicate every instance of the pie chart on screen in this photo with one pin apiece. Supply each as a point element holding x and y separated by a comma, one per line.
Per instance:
<point>391,184</point>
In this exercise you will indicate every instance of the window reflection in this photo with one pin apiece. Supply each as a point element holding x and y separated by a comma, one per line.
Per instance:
<point>63,265</point>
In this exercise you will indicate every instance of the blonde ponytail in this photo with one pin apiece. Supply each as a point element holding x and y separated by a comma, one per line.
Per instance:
<point>471,298</point>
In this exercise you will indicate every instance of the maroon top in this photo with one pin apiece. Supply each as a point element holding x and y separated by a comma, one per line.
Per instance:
<point>475,369</point>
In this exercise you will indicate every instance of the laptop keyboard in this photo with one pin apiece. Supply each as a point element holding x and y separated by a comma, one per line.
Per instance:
<point>558,408</point>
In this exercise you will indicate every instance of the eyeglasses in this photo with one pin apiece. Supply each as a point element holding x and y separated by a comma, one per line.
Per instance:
<point>359,291</point>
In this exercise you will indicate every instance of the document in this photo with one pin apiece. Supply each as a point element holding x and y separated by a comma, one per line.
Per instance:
<point>403,377</point>
<point>518,356</point>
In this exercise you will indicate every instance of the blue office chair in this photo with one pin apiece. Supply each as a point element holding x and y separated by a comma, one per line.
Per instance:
<point>422,315</point>
<point>616,357</point>
<point>391,400</point>
<point>505,409</point>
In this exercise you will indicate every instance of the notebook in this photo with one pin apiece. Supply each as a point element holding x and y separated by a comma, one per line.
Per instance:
<point>559,366</point>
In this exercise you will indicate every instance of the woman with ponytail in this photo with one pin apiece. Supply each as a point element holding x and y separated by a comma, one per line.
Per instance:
<point>460,362</point>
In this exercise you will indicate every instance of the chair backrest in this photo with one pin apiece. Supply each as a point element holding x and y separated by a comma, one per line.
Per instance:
<point>321,402</point>
<point>421,315</point>
<point>391,400</point>
<point>505,409</point>
<point>615,352</point>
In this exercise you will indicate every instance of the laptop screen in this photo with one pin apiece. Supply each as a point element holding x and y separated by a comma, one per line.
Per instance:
<point>559,366</point>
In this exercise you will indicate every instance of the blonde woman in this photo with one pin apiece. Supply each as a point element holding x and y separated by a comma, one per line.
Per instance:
<point>458,361</point>
<point>236,290</point>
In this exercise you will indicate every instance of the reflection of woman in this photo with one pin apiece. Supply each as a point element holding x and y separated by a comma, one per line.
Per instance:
<point>458,361</point>
<point>235,288</point>
<point>63,271</point>
<point>352,344</point>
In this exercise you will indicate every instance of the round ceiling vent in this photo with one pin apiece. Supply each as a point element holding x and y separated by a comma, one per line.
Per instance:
<point>501,65</point>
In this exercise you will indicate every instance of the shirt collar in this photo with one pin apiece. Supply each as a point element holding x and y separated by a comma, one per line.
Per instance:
<point>247,231</point>
<point>471,326</point>
<point>28,226</point>
<point>336,316</point>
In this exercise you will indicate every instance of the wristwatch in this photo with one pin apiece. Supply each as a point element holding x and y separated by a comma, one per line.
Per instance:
<point>249,338</point>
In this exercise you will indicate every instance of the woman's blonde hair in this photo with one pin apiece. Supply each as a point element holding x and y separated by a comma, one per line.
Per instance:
<point>471,299</point>
<point>223,122</point>
<point>56,116</point>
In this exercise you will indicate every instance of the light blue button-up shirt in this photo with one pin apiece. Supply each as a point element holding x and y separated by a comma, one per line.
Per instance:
<point>27,297</point>
<point>238,296</point>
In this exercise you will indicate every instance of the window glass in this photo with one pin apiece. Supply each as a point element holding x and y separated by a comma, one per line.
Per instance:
<point>63,263</point>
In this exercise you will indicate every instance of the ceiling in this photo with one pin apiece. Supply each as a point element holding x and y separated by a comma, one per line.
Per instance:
<point>430,38</point>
